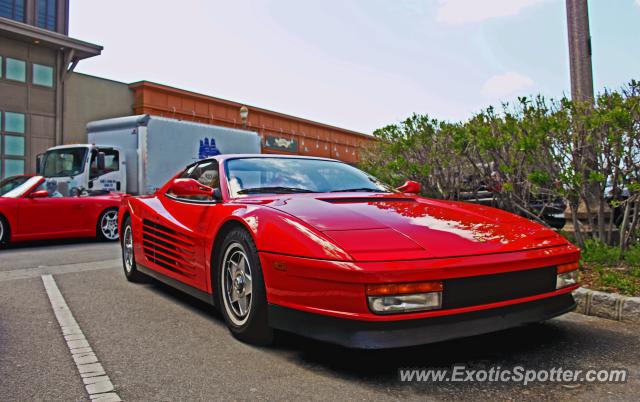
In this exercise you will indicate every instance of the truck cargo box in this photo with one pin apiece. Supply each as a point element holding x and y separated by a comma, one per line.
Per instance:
<point>156,148</point>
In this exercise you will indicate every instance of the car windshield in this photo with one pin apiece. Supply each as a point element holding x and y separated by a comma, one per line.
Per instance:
<point>64,162</point>
<point>297,175</point>
<point>10,183</point>
<point>14,187</point>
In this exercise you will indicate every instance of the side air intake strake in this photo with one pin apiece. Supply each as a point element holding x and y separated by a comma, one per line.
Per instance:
<point>167,248</point>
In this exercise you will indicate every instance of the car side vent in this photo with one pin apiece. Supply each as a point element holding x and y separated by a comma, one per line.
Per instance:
<point>355,200</point>
<point>167,248</point>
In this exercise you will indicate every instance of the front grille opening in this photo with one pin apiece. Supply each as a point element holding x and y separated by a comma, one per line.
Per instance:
<point>485,289</point>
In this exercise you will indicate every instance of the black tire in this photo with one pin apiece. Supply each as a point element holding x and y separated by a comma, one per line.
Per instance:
<point>253,327</point>
<point>4,231</point>
<point>107,225</point>
<point>129,260</point>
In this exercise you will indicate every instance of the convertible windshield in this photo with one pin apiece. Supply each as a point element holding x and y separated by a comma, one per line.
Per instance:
<point>10,183</point>
<point>64,162</point>
<point>14,187</point>
<point>297,175</point>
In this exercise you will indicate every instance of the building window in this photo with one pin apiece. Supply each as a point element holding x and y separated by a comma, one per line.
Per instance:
<point>43,75</point>
<point>13,167</point>
<point>13,145</point>
<point>47,14</point>
<point>12,9</point>
<point>14,122</point>
<point>16,70</point>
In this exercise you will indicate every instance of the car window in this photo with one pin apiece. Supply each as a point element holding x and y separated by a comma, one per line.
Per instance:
<point>205,173</point>
<point>111,162</point>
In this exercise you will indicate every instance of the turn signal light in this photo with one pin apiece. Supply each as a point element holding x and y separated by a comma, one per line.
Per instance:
<point>568,267</point>
<point>404,297</point>
<point>403,288</point>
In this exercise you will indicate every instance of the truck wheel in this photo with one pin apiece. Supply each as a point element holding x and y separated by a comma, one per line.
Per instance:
<point>107,229</point>
<point>4,231</point>
<point>240,289</point>
<point>128,258</point>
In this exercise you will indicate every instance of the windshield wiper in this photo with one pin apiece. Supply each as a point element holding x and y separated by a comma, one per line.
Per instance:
<point>362,189</point>
<point>274,190</point>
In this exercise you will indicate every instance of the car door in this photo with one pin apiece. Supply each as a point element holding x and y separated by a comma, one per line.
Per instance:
<point>58,215</point>
<point>175,232</point>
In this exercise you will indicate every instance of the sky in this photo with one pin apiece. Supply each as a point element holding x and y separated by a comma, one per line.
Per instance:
<point>356,64</point>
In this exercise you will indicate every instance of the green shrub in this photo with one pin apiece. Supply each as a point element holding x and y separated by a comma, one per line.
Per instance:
<point>595,251</point>
<point>632,256</point>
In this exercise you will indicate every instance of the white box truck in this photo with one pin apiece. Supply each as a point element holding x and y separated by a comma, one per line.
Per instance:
<point>138,154</point>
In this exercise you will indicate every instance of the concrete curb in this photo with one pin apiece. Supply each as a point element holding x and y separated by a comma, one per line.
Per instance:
<point>607,305</point>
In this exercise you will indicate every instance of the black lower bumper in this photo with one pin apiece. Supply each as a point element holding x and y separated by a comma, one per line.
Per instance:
<point>393,334</point>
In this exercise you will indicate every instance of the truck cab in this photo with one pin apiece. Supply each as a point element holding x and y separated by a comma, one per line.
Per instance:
<point>80,168</point>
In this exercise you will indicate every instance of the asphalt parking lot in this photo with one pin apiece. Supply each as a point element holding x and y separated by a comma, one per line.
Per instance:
<point>158,344</point>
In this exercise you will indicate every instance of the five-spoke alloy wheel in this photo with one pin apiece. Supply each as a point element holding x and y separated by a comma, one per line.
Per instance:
<point>108,225</point>
<point>240,288</point>
<point>128,256</point>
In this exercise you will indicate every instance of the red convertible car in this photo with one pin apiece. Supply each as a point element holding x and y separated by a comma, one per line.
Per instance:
<point>35,208</point>
<point>319,248</point>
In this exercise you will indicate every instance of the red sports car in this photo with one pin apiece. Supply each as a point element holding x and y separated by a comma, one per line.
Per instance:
<point>35,208</point>
<point>317,247</point>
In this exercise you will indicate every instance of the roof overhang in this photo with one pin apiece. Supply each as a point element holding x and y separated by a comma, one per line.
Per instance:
<point>27,33</point>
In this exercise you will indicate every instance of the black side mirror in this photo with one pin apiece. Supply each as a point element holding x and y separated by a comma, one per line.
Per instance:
<point>217,194</point>
<point>100,161</point>
<point>39,161</point>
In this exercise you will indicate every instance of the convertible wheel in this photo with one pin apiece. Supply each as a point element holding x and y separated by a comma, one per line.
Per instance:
<point>128,258</point>
<point>240,289</point>
<point>4,231</point>
<point>108,225</point>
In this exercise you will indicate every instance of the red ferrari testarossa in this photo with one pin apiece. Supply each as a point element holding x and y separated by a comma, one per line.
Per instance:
<point>319,248</point>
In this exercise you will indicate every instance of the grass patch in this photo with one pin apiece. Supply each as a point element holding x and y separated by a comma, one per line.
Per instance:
<point>604,269</point>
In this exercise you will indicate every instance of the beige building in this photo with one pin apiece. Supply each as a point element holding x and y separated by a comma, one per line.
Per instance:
<point>36,57</point>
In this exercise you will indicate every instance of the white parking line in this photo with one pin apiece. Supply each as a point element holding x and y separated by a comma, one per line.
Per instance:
<point>96,381</point>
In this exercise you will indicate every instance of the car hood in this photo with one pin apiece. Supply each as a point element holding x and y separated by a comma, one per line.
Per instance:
<point>396,226</point>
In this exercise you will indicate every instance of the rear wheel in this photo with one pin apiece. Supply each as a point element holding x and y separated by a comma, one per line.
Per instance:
<point>128,257</point>
<point>241,291</point>
<point>107,229</point>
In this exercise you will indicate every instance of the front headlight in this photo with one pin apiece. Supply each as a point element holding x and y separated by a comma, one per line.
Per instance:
<point>567,275</point>
<point>404,297</point>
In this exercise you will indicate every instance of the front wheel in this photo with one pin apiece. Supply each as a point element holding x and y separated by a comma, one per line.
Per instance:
<point>241,291</point>
<point>128,257</point>
<point>107,227</point>
<point>4,231</point>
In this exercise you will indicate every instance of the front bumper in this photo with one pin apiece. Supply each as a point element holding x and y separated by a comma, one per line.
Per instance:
<point>393,334</point>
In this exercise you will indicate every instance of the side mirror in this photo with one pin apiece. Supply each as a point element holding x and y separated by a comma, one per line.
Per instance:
<point>39,161</point>
<point>217,194</point>
<point>39,194</point>
<point>100,161</point>
<point>190,187</point>
<point>410,187</point>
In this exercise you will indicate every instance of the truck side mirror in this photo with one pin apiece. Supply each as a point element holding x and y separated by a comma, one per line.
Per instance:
<point>190,187</point>
<point>39,160</point>
<point>217,194</point>
<point>100,162</point>
<point>410,187</point>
